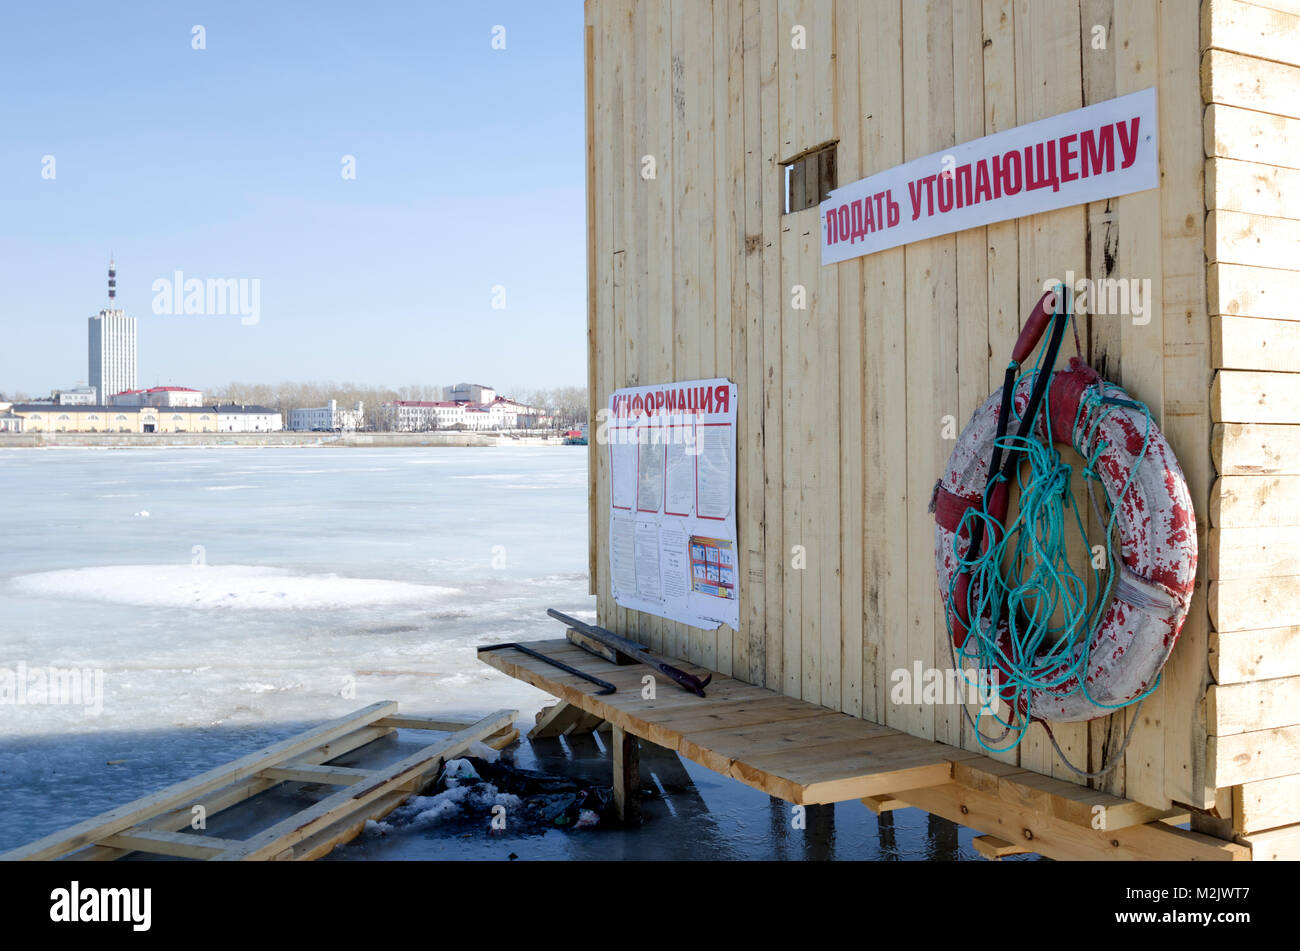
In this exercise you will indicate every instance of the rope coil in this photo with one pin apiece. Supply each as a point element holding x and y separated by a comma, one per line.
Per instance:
<point>1038,582</point>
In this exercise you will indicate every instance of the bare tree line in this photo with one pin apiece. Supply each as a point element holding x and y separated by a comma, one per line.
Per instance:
<point>568,403</point>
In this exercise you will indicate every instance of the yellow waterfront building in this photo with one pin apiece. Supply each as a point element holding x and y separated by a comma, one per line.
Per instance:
<point>55,418</point>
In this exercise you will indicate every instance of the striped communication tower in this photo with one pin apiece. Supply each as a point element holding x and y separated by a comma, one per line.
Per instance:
<point>112,281</point>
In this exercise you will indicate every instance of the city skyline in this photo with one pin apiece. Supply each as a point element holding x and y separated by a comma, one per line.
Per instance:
<point>389,223</point>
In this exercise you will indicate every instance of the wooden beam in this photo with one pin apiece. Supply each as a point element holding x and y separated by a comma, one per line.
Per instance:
<point>178,844</point>
<point>1250,83</point>
<point>331,775</point>
<point>424,723</point>
<point>1233,237</point>
<point>1069,802</point>
<point>1267,804</point>
<point>1252,136</point>
<point>1275,845</point>
<point>1245,604</point>
<point>1252,30</point>
<point>116,820</point>
<point>1252,188</point>
<point>347,828</point>
<point>1246,757</point>
<point>1059,839</point>
<point>587,723</point>
<point>625,761</point>
<point>993,848</point>
<point>1242,708</point>
<point>502,738</point>
<point>880,804</point>
<point>1255,502</point>
<point>1243,656</point>
<point>556,720</point>
<point>1257,448</point>
<point>1242,291</point>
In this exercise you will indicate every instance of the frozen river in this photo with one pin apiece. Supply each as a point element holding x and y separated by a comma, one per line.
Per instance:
<point>264,591</point>
<point>232,597</point>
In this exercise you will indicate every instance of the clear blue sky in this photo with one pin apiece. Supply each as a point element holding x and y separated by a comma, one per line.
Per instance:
<point>225,163</point>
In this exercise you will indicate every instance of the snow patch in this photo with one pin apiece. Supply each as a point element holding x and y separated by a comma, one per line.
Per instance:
<point>245,587</point>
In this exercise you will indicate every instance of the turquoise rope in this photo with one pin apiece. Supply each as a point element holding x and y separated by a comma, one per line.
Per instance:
<point>1039,579</point>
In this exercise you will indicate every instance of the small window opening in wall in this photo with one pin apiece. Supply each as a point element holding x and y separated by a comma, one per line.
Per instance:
<point>809,177</point>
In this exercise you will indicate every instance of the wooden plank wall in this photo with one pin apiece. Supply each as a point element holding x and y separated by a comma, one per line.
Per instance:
<point>847,373</point>
<point>1250,72</point>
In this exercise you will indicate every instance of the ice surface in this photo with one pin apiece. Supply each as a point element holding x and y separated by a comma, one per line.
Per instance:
<point>334,578</point>
<point>241,587</point>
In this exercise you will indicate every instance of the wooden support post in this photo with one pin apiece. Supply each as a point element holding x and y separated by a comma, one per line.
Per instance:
<point>627,776</point>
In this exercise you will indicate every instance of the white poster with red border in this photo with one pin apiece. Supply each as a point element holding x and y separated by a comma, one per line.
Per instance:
<point>672,517</point>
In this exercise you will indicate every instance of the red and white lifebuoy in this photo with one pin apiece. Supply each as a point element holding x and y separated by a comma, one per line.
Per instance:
<point>1157,535</point>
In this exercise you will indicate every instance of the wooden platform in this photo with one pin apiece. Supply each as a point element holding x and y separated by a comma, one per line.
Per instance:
<point>806,754</point>
<point>794,750</point>
<point>163,823</point>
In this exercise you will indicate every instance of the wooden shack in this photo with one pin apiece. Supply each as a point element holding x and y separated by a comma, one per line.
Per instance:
<point>704,233</point>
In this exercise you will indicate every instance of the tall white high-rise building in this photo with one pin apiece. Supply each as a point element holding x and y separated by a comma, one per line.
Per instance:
<point>112,347</point>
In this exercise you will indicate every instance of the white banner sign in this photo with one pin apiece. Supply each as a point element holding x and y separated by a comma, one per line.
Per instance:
<point>1096,152</point>
<point>672,517</point>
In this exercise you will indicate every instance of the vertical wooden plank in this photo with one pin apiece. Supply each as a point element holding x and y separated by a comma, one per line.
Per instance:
<point>1003,278</point>
<point>931,332</point>
<point>1003,241</point>
<point>760,577</point>
<point>1140,257</point>
<point>1187,374</point>
<point>887,542</point>
<point>1102,331</point>
<point>848,129</point>
<point>1049,81</point>
<point>639,353</point>
<point>792,385</point>
<point>661,263</point>
<point>972,263</point>
<point>629,330</point>
<point>791,113</point>
<point>600,225</point>
<point>703,644</point>
<point>729,202</point>
<point>825,504</point>
<point>596,459</point>
<point>770,187</point>
<point>685,248</point>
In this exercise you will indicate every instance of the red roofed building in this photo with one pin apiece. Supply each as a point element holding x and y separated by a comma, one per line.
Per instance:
<point>158,396</point>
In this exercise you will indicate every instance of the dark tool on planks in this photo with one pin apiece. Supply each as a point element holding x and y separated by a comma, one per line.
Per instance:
<point>605,686</point>
<point>686,681</point>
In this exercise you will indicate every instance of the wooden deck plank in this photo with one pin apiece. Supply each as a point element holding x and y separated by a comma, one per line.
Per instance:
<point>718,749</point>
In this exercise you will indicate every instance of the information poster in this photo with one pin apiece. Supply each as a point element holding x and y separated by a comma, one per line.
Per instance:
<point>672,519</point>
